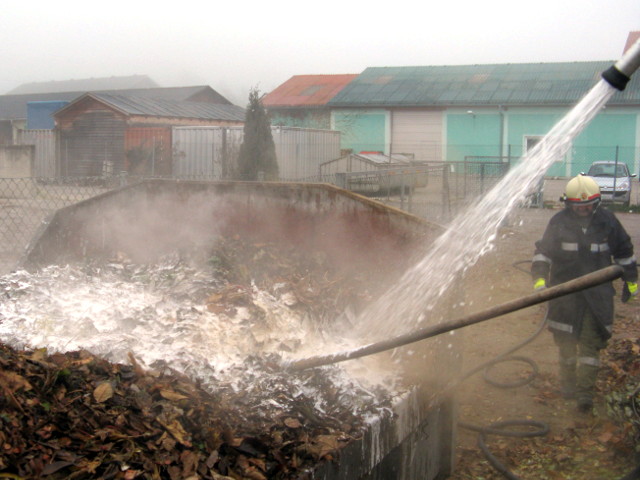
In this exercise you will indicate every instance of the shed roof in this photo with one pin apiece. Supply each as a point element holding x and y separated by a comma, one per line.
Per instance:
<point>135,105</point>
<point>375,158</point>
<point>14,107</point>
<point>494,84</point>
<point>307,90</point>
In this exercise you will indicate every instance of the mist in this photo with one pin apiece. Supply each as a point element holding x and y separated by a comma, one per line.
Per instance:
<point>238,46</point>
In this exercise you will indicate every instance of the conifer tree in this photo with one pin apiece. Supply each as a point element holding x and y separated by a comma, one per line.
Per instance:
<point>257,158</point>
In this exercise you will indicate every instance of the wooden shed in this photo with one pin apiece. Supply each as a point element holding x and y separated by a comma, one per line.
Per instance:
<point>105,134</point>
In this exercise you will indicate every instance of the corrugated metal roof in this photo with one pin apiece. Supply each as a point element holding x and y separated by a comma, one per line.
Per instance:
<point>307,90</point>
<point>134,105</point>
<point>497,84</point>
<point>15,106</point>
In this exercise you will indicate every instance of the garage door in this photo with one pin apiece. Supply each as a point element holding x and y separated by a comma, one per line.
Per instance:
<point>419,133</point>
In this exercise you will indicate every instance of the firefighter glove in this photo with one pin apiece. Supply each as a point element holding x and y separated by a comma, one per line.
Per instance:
<point>541,284</point>
<point>629,291</point>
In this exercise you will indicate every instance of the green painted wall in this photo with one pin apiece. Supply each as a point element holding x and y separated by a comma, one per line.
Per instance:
<point>478,135</point>
<point>473,135</point>
<point>599,139</point>
<point>524,125</point>
<point>361,131</point>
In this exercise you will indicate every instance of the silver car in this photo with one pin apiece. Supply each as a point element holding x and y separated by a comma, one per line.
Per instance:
<point>610,175</point>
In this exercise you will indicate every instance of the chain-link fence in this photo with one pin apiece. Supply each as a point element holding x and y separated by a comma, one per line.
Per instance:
<point>25,203</point>
<point>435,190</point>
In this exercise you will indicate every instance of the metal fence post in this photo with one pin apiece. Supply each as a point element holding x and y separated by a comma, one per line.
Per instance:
<point>615,175</point>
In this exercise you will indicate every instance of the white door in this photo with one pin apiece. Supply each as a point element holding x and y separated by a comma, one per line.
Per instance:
<point>418,132</point>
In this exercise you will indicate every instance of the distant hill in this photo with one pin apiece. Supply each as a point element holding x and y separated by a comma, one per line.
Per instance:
<point>86,85</point>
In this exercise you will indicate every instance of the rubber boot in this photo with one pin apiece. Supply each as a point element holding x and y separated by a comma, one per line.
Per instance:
<point>567,349</point>
<point>568,379</point>
<point>588,360</point>
<point>585,386</point>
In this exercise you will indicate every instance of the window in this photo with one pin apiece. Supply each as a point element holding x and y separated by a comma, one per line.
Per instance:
<point>531,141</point>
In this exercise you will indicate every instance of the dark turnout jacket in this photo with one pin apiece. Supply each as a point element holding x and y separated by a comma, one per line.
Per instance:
<point>566,252</point>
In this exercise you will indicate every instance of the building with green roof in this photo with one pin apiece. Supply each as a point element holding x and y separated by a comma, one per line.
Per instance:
<point>484,112</point>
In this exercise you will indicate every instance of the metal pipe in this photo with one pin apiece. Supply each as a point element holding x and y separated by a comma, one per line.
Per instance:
<point>619,74</point>
<point>581,283</point>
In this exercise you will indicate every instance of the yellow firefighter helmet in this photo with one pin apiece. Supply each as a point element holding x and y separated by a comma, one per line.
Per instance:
<point>582,190</point>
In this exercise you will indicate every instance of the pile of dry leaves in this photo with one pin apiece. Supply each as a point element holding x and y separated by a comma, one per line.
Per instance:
<point>76,415</point>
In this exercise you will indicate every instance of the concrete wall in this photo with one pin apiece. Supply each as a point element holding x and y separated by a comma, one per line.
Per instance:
<point>16,161</point>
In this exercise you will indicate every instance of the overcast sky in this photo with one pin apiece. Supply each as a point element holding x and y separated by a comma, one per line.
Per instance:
<point>236,45</point>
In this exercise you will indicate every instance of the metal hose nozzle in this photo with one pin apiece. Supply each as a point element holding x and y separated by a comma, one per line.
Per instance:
<point>619,74</point>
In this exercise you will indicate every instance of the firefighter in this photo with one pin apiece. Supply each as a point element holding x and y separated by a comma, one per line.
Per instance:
<point>580,239</point>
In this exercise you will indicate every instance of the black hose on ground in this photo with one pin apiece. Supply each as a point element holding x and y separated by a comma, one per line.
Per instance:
<point>498,428</point>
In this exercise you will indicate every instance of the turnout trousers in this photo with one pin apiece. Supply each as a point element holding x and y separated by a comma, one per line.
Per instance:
<point>580,359</point>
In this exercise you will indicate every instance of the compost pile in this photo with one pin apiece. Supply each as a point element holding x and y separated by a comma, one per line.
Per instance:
<point>173,370</point>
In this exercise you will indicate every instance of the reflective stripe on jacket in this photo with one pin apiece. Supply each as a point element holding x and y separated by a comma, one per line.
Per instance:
<point>566,252</point>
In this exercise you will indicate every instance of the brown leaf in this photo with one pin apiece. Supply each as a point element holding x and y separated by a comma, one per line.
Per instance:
<point>212,459</point>
<point>189,461</point>
<point>171,395</point>
<point>254,474</point>
<point>167,442</point>
<point>14,382</point>
<point>292,422</point>
<point>38,355</point>
<point>605,437</point>
<point>54,467</point>
<point>175,428</point>
<point>217,476</point>
<point>258,462</point>
<point>103,392</point>
<point>321,445</point>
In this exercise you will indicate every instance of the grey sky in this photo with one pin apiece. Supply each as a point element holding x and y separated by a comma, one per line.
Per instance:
<point>235,45</point>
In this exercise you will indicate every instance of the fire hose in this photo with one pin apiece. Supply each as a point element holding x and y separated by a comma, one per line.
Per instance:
<point>581,283</point>
<point>499,428</point>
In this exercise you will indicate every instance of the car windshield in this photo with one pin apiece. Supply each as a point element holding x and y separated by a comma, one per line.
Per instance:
<point>607,170</point>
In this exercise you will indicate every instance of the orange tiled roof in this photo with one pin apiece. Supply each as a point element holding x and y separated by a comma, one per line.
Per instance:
<point>307,90</point>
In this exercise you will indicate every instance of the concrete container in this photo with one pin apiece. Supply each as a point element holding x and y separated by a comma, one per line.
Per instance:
<point>146,219</point>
